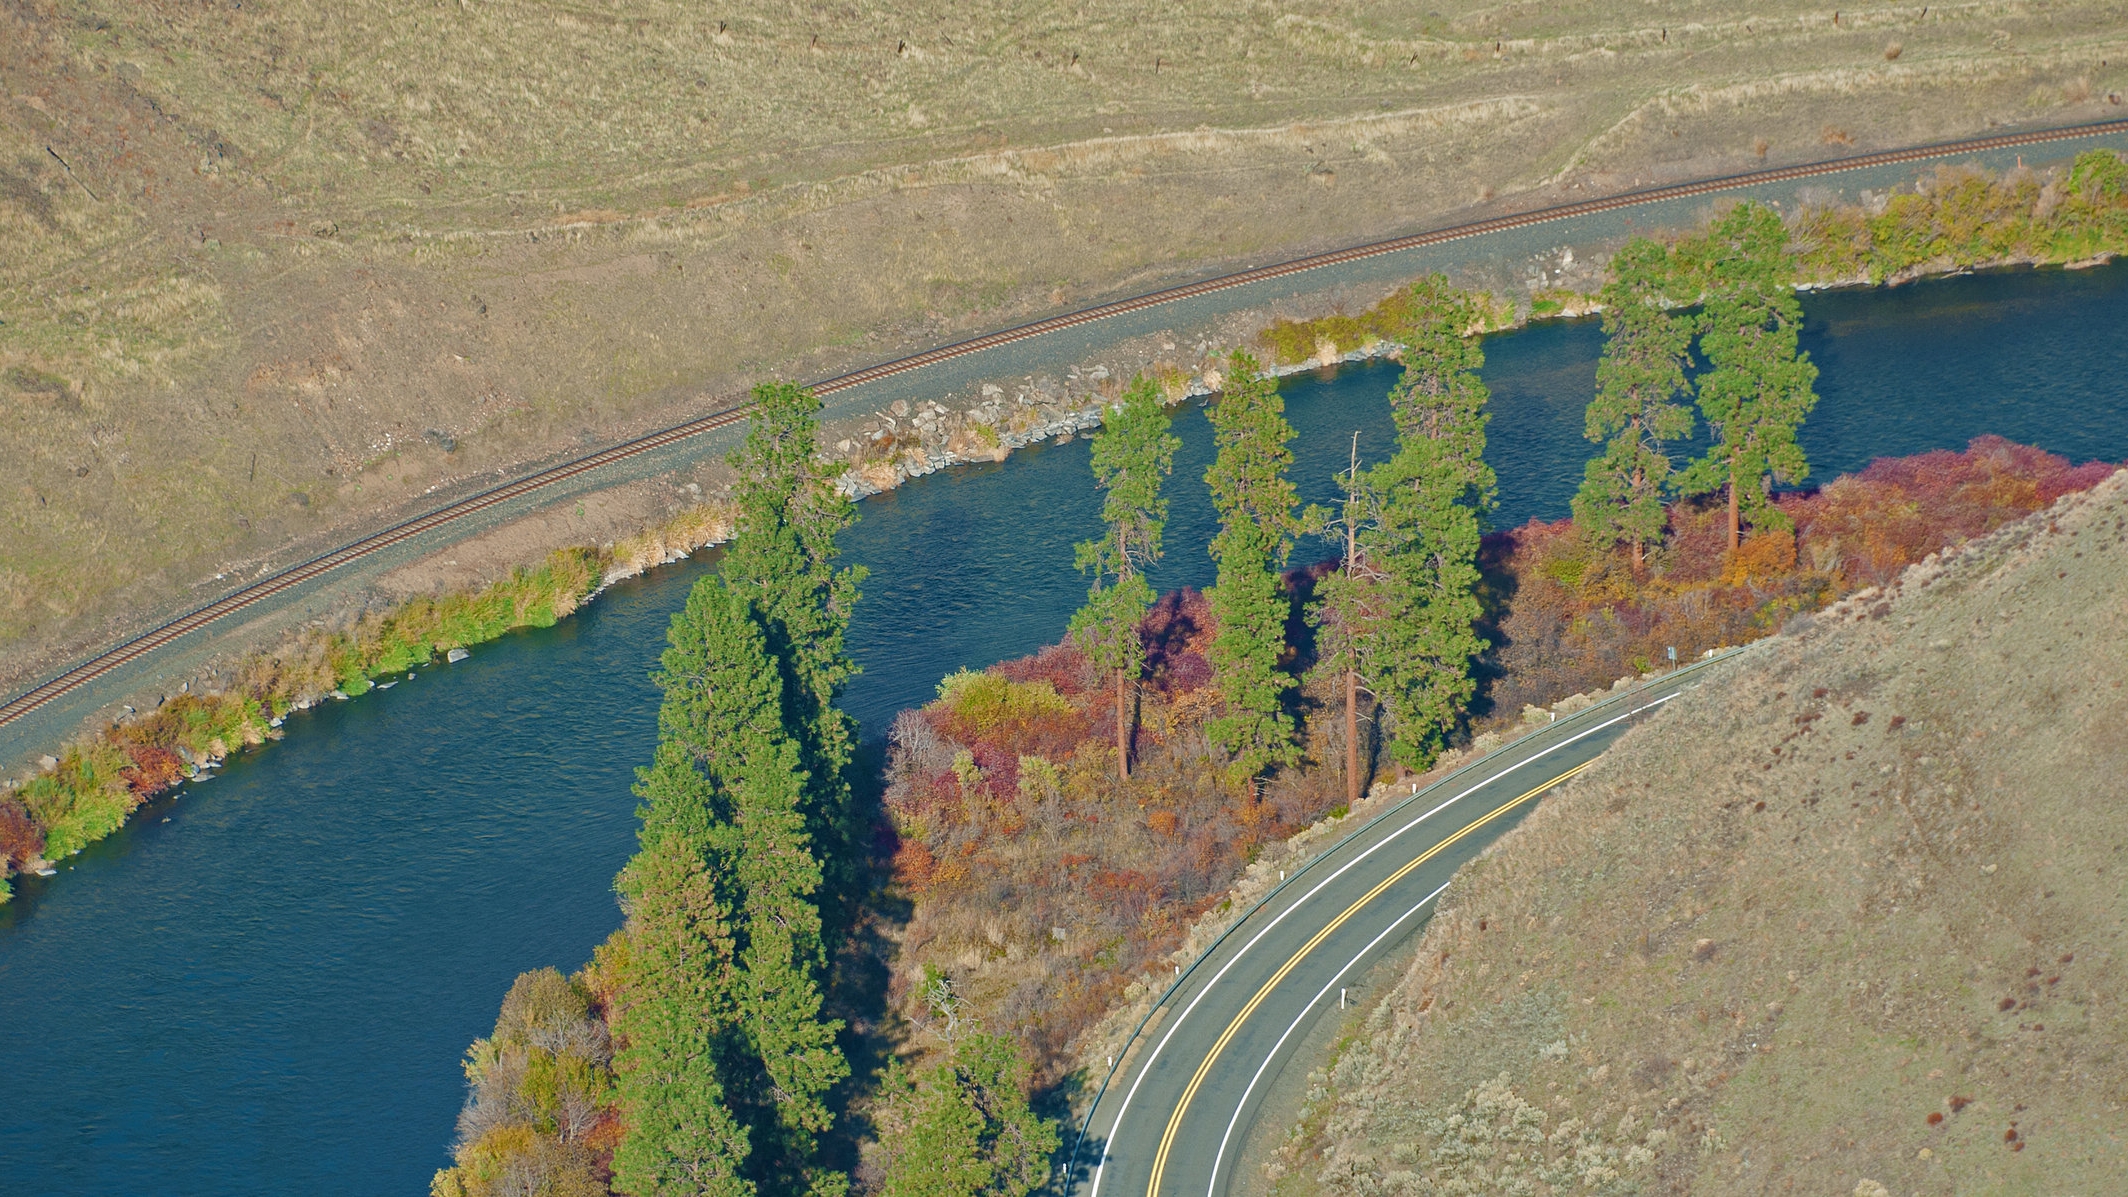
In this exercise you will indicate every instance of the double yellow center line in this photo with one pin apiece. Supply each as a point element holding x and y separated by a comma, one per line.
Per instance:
<point>1174,1122</point>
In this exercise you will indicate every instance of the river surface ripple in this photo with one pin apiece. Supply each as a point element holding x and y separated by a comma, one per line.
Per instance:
<point>265,984</point>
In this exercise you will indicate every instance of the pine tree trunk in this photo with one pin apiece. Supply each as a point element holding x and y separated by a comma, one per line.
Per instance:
<point>1122,719</point>
<point>1736,527</point>
<point>1122,730</point>
<point>1640,479</point>
<point>1352,738</point>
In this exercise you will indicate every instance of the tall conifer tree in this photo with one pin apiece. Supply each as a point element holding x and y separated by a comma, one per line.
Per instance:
<point>1424,532</point>
<point>1758,386</point>
<point>1255,501</point>
<point>1132,456</point>
<point>673,1021</point>
<point>1639,380</point>
<point>1353,605</point>
<point>727,860</point>
<point>782,560</point>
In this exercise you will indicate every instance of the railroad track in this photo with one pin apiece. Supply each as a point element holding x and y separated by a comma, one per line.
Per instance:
<point>132,650</point>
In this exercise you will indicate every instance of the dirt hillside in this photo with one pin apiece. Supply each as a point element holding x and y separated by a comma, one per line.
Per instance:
<point>275,271</point>
<point>1848,921</point>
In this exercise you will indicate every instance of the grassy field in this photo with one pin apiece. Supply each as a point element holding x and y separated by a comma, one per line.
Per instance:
<point>1871,945</point>
<point>275,271</point>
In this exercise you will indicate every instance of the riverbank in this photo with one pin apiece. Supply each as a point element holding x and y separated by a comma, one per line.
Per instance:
<point>1957,220</point>
<point>1045,888</point>
<point>92,787</point>
<point>246,310</point>
<point>1049,901</point>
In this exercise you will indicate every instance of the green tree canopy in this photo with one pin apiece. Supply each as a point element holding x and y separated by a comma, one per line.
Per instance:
<point>1639,380</point>
<point>1255,501</point>
<point>725,846</point>
<point>1759,386</point>
<point>1439,397</point>
<point>673,1024</point>
<point>782,560</point>
<point>961,1127</point>
<point>1413,611</point>
<point>1132,456</point>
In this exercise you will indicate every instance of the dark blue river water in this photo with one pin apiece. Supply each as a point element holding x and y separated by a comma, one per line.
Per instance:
<point>264,985</point>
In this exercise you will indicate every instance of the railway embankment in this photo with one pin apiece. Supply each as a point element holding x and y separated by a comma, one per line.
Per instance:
<point>1952,220</point>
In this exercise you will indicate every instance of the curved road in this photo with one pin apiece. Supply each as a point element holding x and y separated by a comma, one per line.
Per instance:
<point>734,410</point>
<point>1171,1119</point>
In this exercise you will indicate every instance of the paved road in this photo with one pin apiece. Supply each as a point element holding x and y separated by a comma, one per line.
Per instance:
<point>1172,1119</point>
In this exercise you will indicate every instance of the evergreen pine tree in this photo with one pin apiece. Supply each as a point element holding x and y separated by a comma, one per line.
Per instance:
<point>1353,606</point>
<point>726,791</point>
<point>962,1128</point>
<point>782,559</point>
<point>1132,455</point>
<point>1758,386</point>
<point>1424,533</point>
<point>672,1022</point>
<point>1638,380</point>
<point>1255,502</point>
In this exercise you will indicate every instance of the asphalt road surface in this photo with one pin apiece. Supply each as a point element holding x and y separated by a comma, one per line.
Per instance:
<point>1172,1119</point>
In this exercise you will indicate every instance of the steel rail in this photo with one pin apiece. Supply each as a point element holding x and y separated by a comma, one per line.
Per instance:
<point>147,642</point>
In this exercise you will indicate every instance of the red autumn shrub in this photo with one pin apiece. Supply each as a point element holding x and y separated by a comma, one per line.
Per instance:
<point>21,840</point>
<point>154,769</point>
<point>1042,885</point>
<point>1564,619</point>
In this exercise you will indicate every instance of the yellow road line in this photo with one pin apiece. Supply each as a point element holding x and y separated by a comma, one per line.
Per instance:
<point>1174,1123</point>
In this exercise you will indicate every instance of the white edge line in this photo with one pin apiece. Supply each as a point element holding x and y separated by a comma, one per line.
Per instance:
<point>1212,1187</point>
<point>1101,1168</point>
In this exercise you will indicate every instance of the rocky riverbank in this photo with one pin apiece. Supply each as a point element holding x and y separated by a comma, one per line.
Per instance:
<point>1955,220</point>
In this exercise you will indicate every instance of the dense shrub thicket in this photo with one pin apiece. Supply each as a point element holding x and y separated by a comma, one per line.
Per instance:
<point>1566,616</point>
<point>1962,217</point>
<point>1042,884</point>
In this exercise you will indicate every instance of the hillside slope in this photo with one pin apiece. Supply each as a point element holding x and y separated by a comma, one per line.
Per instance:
<point>277,270</point>
<point>1848,921</point>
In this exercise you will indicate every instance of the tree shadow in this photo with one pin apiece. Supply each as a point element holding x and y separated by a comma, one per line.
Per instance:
<point>1497,587</point>
<point>861,964</point>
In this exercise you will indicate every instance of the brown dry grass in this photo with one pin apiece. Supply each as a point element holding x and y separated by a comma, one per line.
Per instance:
<point>263,263</point>
<point>1874,937</point>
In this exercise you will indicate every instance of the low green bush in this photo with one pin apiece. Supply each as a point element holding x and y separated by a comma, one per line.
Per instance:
<point>1964,218</point>
<point>83,800</point>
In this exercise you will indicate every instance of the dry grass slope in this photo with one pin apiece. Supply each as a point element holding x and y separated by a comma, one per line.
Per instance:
<point>274,271</point>
<point>1876,937</point>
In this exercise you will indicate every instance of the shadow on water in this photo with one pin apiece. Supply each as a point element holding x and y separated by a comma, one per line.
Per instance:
<point>273,990</point>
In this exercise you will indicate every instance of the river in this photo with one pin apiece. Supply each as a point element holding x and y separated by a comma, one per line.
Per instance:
<point>265,984</point>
